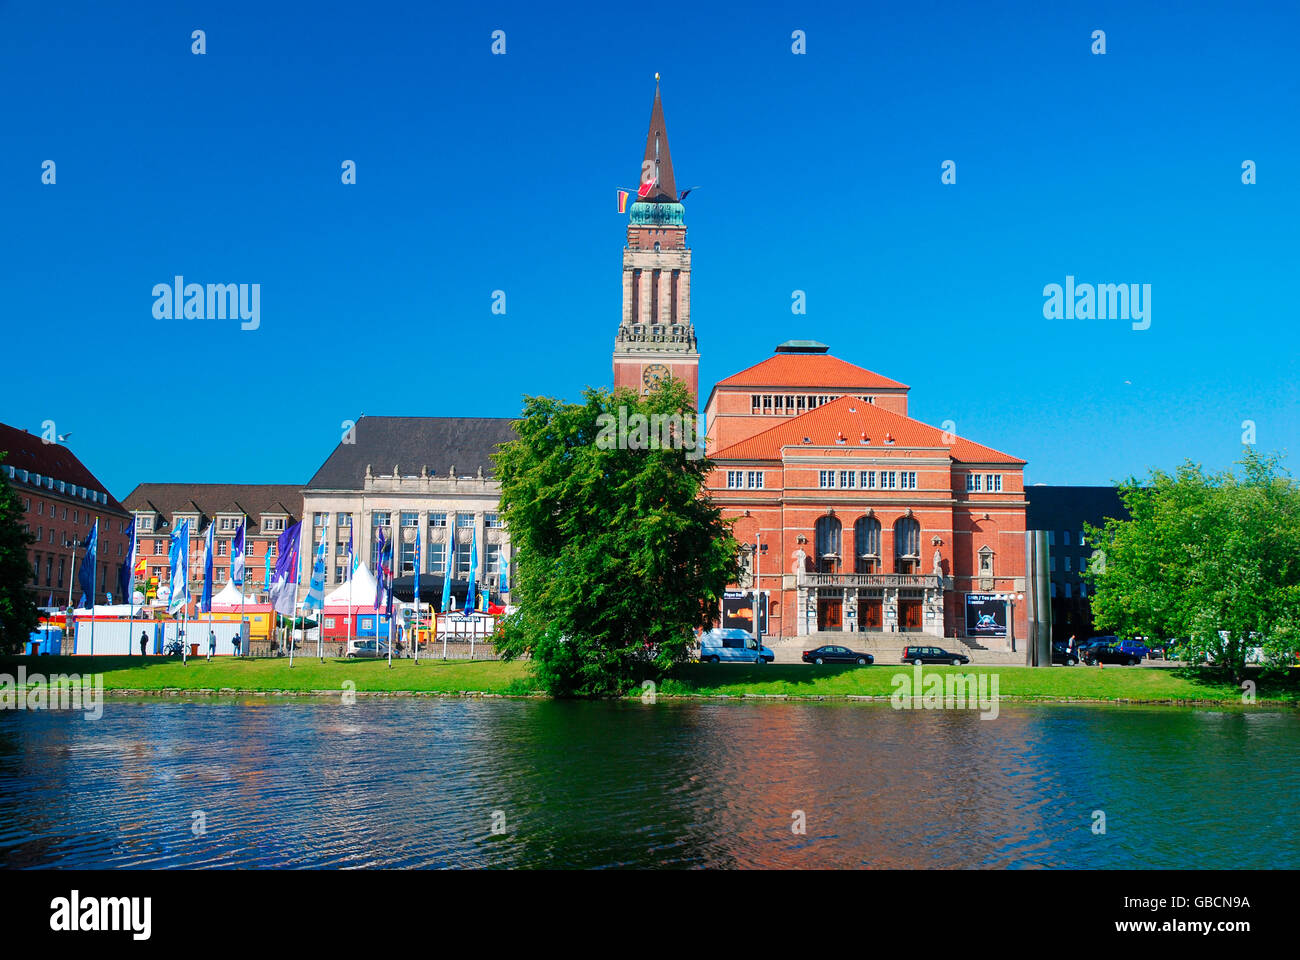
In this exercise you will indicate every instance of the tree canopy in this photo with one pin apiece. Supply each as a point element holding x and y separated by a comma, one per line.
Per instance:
<point>18,613</point>
<point>619,556</point>
<point>1212,560</point>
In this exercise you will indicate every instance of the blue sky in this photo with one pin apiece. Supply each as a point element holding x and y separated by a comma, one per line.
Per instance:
<point>476,173</point>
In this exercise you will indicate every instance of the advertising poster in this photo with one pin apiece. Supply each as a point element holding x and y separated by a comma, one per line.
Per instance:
<point>738,610</point>
<point>986,615</point>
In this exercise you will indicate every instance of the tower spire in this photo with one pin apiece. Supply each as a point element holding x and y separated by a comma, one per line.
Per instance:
<point>657,167</point>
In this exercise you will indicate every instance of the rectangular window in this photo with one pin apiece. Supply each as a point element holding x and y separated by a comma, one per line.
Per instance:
<point>893,480</point>
<point>437,554</point>
<point>1067,591</point>
<point>462,560</point>
<point>1053,589</point>
<point>465,520</point>
<point>437,519</point>
<point>869,479</point>
<point>733,479</point>
<point>1065,537</point>
<point>1051,564</point>
<point>380,518</point>
<point>826,479</point>
<point>492,520</point>
<point>221,548</point>
<point>970,482</point>
<point>846,478</point>
<point>1051,538</point>
<point>409,518</point>
<point>755,403</point>
<point>1068,562</point>
<point>756,479</point>
<point>493,558</point>
<point>1083,589</point>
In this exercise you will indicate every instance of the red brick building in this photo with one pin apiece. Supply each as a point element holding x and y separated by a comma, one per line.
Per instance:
<point>873,521</point>
<point>61,501</point>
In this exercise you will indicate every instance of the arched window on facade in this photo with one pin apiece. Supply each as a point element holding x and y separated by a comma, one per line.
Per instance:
<point>866,545</point>
<point>828,545</point>
<point>907,545</point>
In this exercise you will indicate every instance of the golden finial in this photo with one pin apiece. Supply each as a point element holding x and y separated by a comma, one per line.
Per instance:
<point>656,76</point>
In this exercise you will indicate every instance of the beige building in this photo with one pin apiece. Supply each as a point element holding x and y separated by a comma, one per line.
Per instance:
<point>403,474</point>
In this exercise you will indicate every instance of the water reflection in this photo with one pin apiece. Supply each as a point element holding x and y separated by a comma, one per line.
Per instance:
<point>424,783</point>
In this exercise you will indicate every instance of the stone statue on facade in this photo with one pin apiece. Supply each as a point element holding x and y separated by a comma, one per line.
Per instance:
<point>938,564</point>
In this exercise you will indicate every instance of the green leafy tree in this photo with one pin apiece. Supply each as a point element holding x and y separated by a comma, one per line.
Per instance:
<point>18,613</point>
<point>1211,560</point>
<point>620,556</point>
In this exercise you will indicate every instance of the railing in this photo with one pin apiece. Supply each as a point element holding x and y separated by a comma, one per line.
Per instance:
<point>861,580</point>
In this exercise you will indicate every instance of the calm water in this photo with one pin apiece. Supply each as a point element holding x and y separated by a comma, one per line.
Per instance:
<point>416,783</point>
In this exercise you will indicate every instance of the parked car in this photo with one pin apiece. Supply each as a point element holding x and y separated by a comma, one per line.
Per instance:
<point>732,645</point>
<point>833,654</point>
<point>1108,651</point>
<point>1064,652</point>
<point>362,649</point>
<point>933,655</point>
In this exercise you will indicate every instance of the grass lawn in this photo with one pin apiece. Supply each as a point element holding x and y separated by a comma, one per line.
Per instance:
<point>1055,683</point>
<point>710,680</point>
<point>274,673</point>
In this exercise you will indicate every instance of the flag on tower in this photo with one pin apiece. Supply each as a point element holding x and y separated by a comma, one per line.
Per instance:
<point>622,200</point>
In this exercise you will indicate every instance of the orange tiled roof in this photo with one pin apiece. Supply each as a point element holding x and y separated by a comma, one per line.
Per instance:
<point>811,370</point>
<point>854,417</point>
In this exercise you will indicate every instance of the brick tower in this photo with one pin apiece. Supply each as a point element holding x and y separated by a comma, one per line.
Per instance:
<point>656,338</point>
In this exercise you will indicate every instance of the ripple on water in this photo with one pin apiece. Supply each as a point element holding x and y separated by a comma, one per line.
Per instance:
<point>424,783</point>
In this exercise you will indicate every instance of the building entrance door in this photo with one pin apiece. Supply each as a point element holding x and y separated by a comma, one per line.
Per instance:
<point>830,614</point>
<point>909,614</point>
<point>870,613</point>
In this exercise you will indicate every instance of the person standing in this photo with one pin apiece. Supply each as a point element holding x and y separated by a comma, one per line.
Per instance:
<point>144,641</point>
<point>212,643</point>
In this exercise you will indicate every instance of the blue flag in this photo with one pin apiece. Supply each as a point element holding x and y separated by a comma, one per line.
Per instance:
<point>284,582</point>
<point>179,560</point>
<point>504,587</point>
<point>379,571</point>
<point>237,554</point>
<point>86,575</point>
<point>205,598</point>
<point>446,574</point>
<point>473,570</point>
<point>315,599</point>
<point>417,574</point>
<point>126,576</point>
<point>266,581</point>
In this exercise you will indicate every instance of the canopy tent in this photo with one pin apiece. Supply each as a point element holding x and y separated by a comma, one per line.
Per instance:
<point>123,610</point>
<point>231,597</point>
<point>357,592</point>
<point>431,590</point>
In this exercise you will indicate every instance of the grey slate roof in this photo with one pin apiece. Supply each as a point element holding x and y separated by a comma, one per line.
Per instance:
<point>412,443</point>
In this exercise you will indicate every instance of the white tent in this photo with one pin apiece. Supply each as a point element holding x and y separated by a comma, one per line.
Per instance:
<point>230,597</point>
<point>362,587</point>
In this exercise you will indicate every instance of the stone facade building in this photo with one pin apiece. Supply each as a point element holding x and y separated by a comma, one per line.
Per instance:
<point>403,474</point>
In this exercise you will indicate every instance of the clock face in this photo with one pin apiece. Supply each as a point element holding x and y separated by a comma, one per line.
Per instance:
<point>653,373</point>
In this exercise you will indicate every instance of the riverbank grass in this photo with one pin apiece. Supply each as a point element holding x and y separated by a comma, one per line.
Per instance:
<point>308,675</point>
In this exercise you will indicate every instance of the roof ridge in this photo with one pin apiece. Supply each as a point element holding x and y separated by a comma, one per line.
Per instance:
<point>876,411</point>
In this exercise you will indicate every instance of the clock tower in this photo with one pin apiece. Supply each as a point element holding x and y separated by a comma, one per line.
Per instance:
<point>656,338</point>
